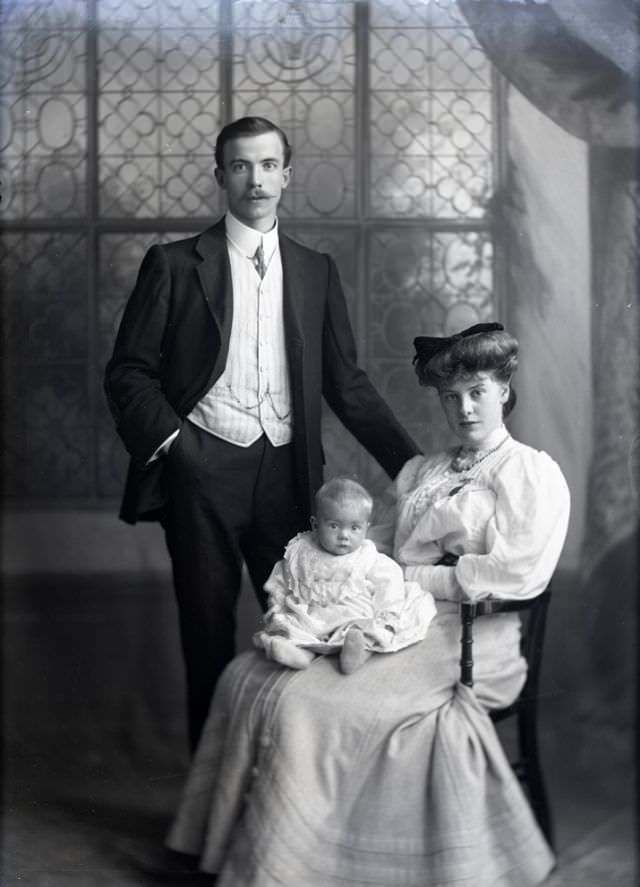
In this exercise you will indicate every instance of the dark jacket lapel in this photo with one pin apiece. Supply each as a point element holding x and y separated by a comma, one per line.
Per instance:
<point>214,273</point>
<point>293,290</point>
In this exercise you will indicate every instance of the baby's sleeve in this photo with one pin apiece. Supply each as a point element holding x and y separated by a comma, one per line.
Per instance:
<point>277,589</point>
<point>386,581</point>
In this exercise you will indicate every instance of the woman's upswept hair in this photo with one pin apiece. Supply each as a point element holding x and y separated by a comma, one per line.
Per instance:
<point>343,489</point>
<point>494,352</point>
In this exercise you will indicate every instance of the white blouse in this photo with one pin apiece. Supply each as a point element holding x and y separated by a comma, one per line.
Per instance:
<point>506,518</point>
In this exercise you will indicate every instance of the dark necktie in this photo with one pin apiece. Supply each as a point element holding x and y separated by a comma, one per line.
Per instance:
<point>258,260</point>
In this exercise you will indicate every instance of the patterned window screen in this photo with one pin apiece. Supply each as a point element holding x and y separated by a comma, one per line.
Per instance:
<point>110,109</point>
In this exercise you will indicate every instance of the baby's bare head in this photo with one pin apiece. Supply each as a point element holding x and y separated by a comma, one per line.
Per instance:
<point>342,512</point>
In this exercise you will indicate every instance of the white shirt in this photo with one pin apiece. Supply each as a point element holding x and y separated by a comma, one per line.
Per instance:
<point>253,395</point>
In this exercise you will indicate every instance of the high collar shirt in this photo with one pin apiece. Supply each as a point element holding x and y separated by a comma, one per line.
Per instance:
<point>253,395</point>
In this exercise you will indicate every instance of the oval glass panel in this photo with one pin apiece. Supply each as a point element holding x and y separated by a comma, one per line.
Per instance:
<point>326,123</point>
<point>325,188</point>
<point>56,124</point>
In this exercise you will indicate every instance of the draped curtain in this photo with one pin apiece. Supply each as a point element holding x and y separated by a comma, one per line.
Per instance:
<point>571,61</point>
<point>577,61</point>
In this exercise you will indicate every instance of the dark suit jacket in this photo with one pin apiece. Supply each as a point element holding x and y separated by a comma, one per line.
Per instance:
<point>173,342</point>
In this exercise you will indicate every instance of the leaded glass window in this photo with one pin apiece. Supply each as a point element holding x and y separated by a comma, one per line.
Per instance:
<point>109,111</point>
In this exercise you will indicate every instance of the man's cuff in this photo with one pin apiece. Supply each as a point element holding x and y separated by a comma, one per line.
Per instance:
<point>164,448</point>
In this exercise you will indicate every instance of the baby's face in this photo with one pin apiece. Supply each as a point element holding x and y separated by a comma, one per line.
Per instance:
<point>341,527</point>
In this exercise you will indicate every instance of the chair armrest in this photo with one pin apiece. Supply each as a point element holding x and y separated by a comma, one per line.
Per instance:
<point>489,605</point>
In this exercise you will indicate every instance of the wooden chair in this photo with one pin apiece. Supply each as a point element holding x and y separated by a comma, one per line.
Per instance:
<point>525,708</point>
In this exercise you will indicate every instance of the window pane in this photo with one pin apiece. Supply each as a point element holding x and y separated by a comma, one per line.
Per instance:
<point>44,115</point>
<point>159,108</point>
<point>431,113</point>
<point>47,417</point>
<point>422,283</point>
<point>295,64</point>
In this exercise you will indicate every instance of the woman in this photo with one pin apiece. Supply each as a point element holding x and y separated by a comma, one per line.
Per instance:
<point>395,776</point>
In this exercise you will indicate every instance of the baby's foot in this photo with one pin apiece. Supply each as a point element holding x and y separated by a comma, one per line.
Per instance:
<point>354,652</point>
<point>286,653</point>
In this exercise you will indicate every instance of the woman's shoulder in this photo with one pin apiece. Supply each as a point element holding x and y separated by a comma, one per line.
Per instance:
<point>524,454</point>
<point>521,464</point>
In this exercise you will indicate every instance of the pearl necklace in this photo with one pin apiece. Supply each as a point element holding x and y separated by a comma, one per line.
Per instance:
<point>466,459</point>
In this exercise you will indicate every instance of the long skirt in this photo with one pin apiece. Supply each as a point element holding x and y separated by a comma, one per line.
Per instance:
<point>392,776</point>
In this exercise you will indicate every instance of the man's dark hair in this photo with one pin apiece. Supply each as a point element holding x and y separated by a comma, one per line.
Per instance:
<point>249,126</point>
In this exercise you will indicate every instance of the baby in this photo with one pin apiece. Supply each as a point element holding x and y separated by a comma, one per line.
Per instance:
<point>334,592</point>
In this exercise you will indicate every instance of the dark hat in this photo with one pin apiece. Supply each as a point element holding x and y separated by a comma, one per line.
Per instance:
<point>428,346</point>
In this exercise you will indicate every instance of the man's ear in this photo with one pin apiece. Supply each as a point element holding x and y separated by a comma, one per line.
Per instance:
<point>219,174</point>
<point>286,177</point>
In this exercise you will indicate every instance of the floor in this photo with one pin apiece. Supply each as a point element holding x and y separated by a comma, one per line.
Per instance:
<point>93,752</point>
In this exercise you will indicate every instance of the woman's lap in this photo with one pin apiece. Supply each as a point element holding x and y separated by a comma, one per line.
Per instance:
<point>319,778</point>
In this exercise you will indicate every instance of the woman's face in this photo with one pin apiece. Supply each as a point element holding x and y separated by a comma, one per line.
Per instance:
<point>473,407</point>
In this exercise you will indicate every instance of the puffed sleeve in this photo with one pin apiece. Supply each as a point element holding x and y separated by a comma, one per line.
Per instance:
<point>526,534</point>
<point>383,523</point>
<point>277,588</point>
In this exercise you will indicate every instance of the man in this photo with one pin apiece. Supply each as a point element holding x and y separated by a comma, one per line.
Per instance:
<point>227,344</point>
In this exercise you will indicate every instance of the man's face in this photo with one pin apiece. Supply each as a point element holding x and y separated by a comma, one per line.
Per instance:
<point>254,177</point>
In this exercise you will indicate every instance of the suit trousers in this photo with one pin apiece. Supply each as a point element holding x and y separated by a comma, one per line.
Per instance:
<point>227,505</point>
